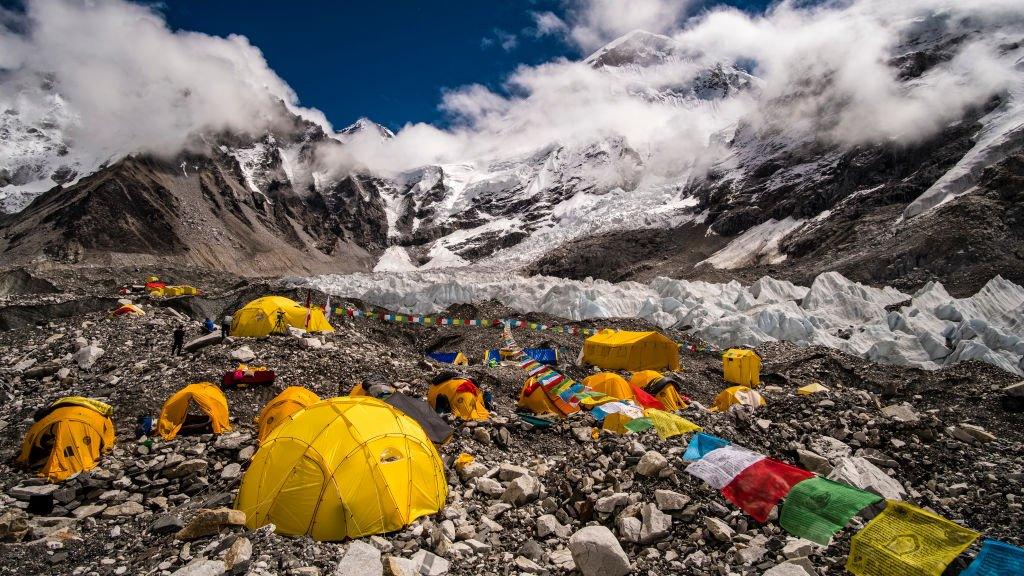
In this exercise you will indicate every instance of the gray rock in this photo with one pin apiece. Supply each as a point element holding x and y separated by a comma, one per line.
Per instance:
<point>508,472</point>
<point>595,551</point>
<point>243,354</point>
<point>166,524</point>
<point>751,554</point>
<point>651,463</point>
<point>201,567</point>
<point>361,559</point>
<point>902,413</point>
<point>490,487</point>
<point>798,548</point>
<point>526,565</point>
<point>429,564</point>
<point>186,468</point>
<point>25,493</point>
<point>202,342</point>
<point>814,462</point>
<point>857,471</point>
<point>787,569</point>
<point>656,524</point>
<point>238,556</point>
<point>668,500</point>
<point>522,490</point>
<point>608,504</point>
<point>87,356</point>
<point>829,447</point>
<point>231,471</point>
<point>629,528</point>
<point>548,524</point>
<point>719,529</point>
<point>129,508</point>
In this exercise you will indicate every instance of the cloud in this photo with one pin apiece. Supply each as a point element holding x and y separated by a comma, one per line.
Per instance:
<point>548,24</point>
<point>131,84</point>
<point>594,23</point>
<point>836,74</point>
<point>506,40</point>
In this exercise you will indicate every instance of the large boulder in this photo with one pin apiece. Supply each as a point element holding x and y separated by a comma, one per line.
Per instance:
<point>596,552</point>
<point>361,559</point>
<point>857,471</point>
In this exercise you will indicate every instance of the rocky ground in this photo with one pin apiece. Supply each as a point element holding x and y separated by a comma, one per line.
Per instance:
<point>950,441</point>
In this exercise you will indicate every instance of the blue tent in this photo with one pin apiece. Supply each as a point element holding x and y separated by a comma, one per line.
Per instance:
<point>547,356</point>
<point>457,358</point>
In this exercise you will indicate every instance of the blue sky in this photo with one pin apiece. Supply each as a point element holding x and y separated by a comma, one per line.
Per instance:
<point>391,60</point>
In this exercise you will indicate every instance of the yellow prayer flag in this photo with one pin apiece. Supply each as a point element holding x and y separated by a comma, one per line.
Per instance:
<point>668,425</point>
<point>907,541</point>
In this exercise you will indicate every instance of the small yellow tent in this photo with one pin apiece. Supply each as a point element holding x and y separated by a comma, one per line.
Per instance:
<point>343,468</point>
<point>742,367</point>
<point>664,389</point>
<point>68,440</point>
<point>610,384</point>
<point>289,401</point>
<point>273,315</point>
<point>633,351</point>
<point>460,396</point>
<point>534,399</point>
<point>812,388</point>
<point>128,310</point>
<point>207,397</point>
<point>737,395</point>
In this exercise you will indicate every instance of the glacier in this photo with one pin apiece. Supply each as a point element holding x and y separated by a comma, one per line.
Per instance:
<point>928,329</point>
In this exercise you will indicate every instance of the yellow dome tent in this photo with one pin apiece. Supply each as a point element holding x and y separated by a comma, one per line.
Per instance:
<point>664,389</point>
<point>610,384</point>
<point>207,397</point>
<point>534,399</point>
<point>69,439</point>
<point>812,388</point>
<point>273,315</point>
<point>737,395</point>
<point>741,366</point>
<point>633,351</point>
<point>343,468</point>
<point>289,401</point>
<point>459,395</point>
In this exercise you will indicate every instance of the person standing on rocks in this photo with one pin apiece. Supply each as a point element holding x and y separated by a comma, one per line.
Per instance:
<point>179,340</point>
<point>225,325</point>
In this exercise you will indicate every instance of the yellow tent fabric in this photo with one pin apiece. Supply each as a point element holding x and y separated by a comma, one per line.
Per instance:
<point>611,384</point>
<point>669,395</point>
<point>616,423</point>
<point>742,367</point>
<point>68,440</point>
<point>358,390</point>
<point>463,397</point>
<point>633,351</point>
<point>260,317</point>
<point>812,388</point>
<point>102,407</point>
<point>343,468</point>
<point>668,425</point>
<point>289,401</point>
<point>172,291</point>
<point>128,310</point>
<point>533,398</point>
<point>461,360</point>
<point>207,397</point>
<point>737,395</point>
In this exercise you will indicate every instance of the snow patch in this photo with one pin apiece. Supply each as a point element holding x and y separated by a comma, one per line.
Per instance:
<point>757,245</point>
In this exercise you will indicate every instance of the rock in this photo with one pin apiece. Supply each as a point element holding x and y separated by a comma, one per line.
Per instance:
<point>508,472</point>
<point>429,564</point>
<point>210,521</point>
<point>798,548</point>
<point>482,436</point>
<point>310,342</point>
<point>902,413</point>
<point>857,471</point>
<point>595,551</point>
<point>608,504</point>
<point>87,356</point>
<point>202,342</point>
<point>231,471</point>
<point>548,524</point>
<point>361,559</point>
<point>562,559</point>
<point>526,565</point>
<point>472,470</point>
<point>629,528</point>
<point>490,487</point>
<point>522,490</point>
<point>243,354</point>
<point>668,500</point>
<point>13,524</point>
<point>201,567</point>
<point>186,468</point>
<point>970,433</point>
<point>245,454</point>
<point>238,556</point>
<point>656,524</point>
<point>166,524</point>
<point>829,448</point>
<point>651,463</point>
<point>25,493</point>
<point>129,508</point>
<point>787,569</point>
<point>398,566</point>
<point>719,529</point>
<point>814,462</point>
<point>751,554</point>
<point>88,510</point>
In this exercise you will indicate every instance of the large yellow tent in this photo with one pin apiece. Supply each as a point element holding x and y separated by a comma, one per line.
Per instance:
<point>207,398</point>
<point>633,351</point>
<point>534,399</point>
<point>664,389</point>
<point>69,439</point>
<point>741,366</point>
<point>343,468</point>
<point>273,315</point>
<point>610,384</point>
<point>737,395</point>
<point>460,396</point>
<point>289,401</point>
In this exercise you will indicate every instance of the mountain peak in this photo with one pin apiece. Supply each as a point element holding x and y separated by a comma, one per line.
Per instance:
<point>636,48</point>
<point>366,126</point>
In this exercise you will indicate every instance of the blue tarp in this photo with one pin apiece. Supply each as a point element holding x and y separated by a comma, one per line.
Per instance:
<point>996,559</point>
<point>547,356</point>
<point>446,357</point>
<point>703,443</point>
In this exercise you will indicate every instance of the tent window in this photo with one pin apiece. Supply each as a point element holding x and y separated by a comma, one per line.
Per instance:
<point>69,452</point>
<point>390,455</point>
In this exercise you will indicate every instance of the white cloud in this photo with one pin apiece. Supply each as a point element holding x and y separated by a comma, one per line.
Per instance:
<point>548,24</point>
<point>506,40</point>
<point>594,23</point>
<point>133,84</point>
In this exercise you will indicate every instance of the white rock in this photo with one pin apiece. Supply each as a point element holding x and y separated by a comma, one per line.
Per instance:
<point>243,354</point>
<point>87,356</point>
<point>651,463</point>
<point>608,504</point>
<point>656,524</point>
<point>522,490</point>
<point>596,552</point>
<point>361,559</point>
<point>201,567</point>
<point>719,529</point>
<point>428,564</point>
<point>786,569</point>
<point>548,524</point>
<point>490,487</point>
<point>857,471</point>
<point>668,500</point>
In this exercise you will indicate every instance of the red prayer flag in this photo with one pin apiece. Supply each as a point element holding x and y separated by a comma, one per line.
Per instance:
<point>758,488</point>
<point>646,400</point>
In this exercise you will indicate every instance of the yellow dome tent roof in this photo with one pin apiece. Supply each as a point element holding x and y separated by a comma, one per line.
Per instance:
<point>610,384</point>
<point>207,397</point>
<point>289,401</point>
<point>642,378</point>
<point>343,468</point>
<point>737,395</point>
<point>463,397</point>
<point>68,440</point>
<point>261,317</point>
<point>533,398</point>
<point>633,351</point>
<point>667,394</point>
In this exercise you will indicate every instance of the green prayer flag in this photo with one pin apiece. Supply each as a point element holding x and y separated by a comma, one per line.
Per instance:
<point>638,424</point>
<point>817,508</point>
